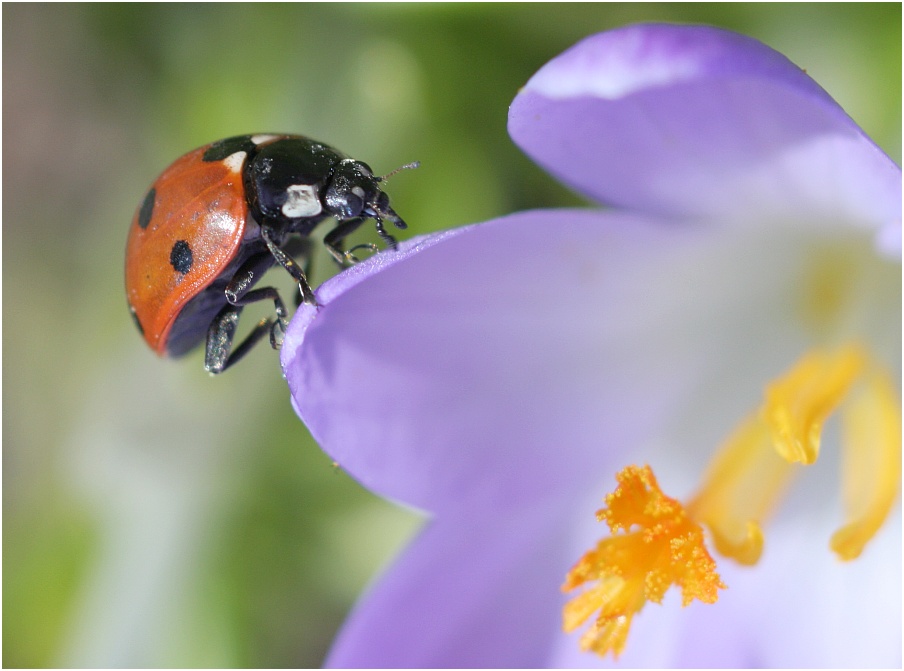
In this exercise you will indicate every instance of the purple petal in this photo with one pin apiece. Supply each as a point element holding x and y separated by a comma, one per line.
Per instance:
<point>483,592</point>
<point>811,610</point>
<point>523,357</point>
<point>532,349</point>
<point>696,121</point>
<point>475,592</point>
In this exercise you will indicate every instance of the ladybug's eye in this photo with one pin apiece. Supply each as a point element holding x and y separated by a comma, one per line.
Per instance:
<point>350,189</point>
<point>345,204</point>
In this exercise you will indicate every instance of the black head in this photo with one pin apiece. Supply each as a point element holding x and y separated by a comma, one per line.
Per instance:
<point>354,191</point>
<point>350,188</point>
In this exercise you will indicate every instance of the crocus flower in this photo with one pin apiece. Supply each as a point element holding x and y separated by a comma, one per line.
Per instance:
<point>677,362</point>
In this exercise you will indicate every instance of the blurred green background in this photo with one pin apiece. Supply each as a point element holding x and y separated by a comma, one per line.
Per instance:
<point>152,515</point>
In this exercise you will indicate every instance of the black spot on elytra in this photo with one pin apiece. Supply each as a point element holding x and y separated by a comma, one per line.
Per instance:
<point>135,319</point>
<point>220,150</point>
<point>181,257</point>
<point>147,209</point>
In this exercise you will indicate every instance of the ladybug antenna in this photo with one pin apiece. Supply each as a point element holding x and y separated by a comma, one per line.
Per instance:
<point>407,166</point>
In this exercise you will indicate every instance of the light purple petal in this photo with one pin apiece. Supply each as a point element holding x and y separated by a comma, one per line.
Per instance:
<point>811,610</point>
<point>521,358</point>
<point>514,361</point>
<point>483,592</point>
<point>692,121</point>
<point>476,592</point>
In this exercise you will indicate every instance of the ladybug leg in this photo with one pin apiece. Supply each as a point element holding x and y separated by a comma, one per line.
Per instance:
<point>219,355</point>
<point>287,262</point>
<point>277,327</point>
<point>333,241</point>
<point>301,247</point>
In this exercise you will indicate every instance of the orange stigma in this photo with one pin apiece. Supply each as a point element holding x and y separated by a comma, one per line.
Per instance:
<point>659,546</point>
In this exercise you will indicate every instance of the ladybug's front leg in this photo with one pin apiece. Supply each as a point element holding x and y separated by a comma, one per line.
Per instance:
<point>333,241</point>
<point>287,262</point>
<point>300,247</point>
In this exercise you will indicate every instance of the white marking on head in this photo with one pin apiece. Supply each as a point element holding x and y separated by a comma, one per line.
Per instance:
<point>358,191</point>
<point>301,201</point>
<point>235,161</point>
<point>261,139</point>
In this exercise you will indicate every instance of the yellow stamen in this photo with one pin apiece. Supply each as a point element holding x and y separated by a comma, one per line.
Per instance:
<point>634,567</point>
<point>742,486</point>
<point>751,472</point>
<point>871,466</point>
<point>799,402</point>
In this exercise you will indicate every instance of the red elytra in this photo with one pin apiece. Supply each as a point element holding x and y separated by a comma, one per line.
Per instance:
<point>201,204</point>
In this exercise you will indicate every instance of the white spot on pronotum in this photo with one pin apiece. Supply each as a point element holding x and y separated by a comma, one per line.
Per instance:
<point>301,201</point>
<point>261,139</point>
<point>235,161</point>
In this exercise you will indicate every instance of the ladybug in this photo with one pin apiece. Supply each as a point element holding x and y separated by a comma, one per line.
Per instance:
<point>223,214</point>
